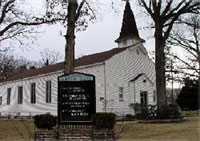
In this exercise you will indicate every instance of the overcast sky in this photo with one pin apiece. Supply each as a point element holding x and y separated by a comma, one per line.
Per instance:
<point>98,37</point>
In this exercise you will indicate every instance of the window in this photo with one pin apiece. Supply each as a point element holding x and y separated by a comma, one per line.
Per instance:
<point>48,91</point>
<point>143,98</point>
<point>101,98</point>
<point>33,93</point>
<point>20,95</point>
<point>0,100</point>
<point>8,96</point>
<point>121,91</point>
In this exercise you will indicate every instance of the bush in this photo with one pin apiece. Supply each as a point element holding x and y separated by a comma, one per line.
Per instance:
<point>144,112</point>
<point>188,98</point>
<point>150,112</point>
<point>105,121</point>
<point>172,111</point>
<point>129,117</point>
<point>45,121</point>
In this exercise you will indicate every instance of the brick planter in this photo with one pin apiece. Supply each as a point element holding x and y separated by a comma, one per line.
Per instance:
<point>105,134</point>
<point>45,135</point>
<point>75,133</point>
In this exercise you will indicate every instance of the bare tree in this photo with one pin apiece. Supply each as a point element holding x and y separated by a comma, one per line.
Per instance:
<point>16,22</point>
<point>76,15</point>
<point>189,40</point>
<point>11,65</point>
<point>164,15</point>
<point>50,57</point>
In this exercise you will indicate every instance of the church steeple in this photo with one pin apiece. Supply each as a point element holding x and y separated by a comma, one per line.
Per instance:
<point>129,29</point>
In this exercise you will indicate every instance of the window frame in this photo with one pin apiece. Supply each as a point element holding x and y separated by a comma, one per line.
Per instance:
<point>121,94</point>
<point>48,92</point>
<point>33,93</point>
<point>1,101</point>
<point>144,98</point>
<point>9,96</point>
<point>20,95</point>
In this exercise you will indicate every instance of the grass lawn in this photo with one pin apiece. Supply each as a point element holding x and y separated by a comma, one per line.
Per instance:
<point>188,130</point>
<point>16,130</point>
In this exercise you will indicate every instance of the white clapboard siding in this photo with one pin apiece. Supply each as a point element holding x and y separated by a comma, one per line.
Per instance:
<point>144,86</point>
<point>41,106</point>
<point>98,72</point>
<point>27,108</point>
<point>120,70</point>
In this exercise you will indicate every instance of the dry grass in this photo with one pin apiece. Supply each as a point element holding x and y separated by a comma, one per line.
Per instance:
<point>188,130</point>
<point>16,130</point>
<point>190,113</point>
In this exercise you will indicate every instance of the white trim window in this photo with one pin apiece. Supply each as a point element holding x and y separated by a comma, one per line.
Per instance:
<point>121,94</point>
<point>20,95</point>
<point>33,93</point>
<point>0,101</point>
<point>8,96</point>
<point>48,91</point>
<point>143,98</point>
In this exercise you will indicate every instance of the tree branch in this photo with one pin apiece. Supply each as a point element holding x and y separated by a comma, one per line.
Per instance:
<point>79,10</point>
<point>27,24</point>
<point>177,40</point>
<point>192,68</point>
<point>91,9</point>
<point>180,21</point>
<point>4,10</point>
<point>166,10</point>
<point>143,3</point>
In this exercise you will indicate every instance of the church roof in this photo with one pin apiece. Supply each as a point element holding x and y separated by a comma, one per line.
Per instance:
<point>129,27</point>
<point>83,61</point>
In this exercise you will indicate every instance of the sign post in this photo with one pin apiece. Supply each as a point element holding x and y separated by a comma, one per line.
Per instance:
<point>76,99</point>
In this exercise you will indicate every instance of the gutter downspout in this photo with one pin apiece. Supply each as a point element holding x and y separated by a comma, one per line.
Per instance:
<point>105,99</point>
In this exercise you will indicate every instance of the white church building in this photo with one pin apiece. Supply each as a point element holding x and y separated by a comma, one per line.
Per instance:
<point>124,75</point>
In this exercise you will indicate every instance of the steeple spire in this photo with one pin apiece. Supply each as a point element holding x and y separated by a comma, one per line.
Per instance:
<point>129,28</point>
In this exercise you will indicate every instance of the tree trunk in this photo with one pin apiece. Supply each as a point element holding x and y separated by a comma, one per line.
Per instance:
<point>160,71</point>
<point>199,83</point>
<point>198,59</point>
<point>70,37</point>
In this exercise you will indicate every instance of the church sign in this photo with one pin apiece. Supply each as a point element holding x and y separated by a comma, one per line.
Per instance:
<point>76,99</point>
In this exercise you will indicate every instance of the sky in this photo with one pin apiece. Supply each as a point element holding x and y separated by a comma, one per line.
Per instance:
<point>98,37</point>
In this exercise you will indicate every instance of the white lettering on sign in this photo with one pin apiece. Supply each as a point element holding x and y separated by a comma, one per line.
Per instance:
<point>85,78</point>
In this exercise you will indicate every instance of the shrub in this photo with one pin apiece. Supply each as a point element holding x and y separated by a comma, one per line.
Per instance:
<point>144,112</point>
<point>150,112</point>
<point>137,107</point>
<point>172,111</point>
<point>188,98</point>
<point>105,121</point>
<point>45,121</point>
<point>129,117</point>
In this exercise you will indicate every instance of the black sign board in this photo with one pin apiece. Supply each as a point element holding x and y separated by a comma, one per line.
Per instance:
<point>76,99</point>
